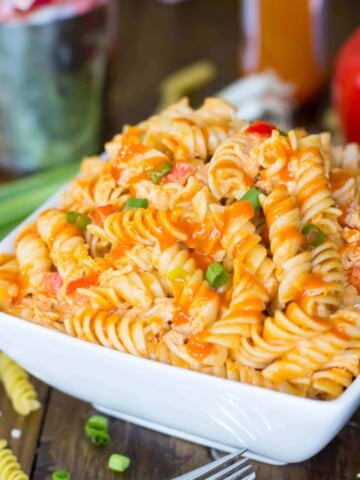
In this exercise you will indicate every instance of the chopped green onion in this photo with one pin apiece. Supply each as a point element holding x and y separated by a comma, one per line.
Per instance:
<point>282,133</point>
<point>216,275</point>
<point>161,169</point>
<point>96,423</point>
<point>71,217</point>
<point>315,236</point>
<point>96,428</point>
<point>100,438</point>
<point>177,273</point>
<point>83,221</point>
<point>78,219</point>
<point>252,196</point>
<point>60,475</point>
<point>118,463</point>
<point>136,203</point>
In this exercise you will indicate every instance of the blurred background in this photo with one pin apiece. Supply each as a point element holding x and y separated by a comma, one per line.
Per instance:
<point>73,72</point>
<point>155,39</point>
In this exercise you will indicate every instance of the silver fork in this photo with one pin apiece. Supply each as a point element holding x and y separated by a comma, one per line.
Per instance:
<point>228,467</point>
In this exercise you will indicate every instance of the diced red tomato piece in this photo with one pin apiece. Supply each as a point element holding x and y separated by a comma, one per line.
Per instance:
<point>52,282</point>
<point>99,214</point>
<point>83,282</point>
<point>261,128</point>
<point>180,173</point>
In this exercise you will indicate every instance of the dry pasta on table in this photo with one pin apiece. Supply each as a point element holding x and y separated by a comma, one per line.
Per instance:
<point>208,243</point>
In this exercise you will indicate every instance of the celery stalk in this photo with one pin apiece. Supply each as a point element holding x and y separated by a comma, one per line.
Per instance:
<point>7,228</point>
<point>38,181</point>
<point>17,207</point>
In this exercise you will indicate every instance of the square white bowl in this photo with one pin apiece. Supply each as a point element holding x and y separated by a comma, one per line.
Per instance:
<point>276,427</point>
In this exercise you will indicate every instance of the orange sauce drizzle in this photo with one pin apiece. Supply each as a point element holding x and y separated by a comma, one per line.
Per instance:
<point>312,285</point>
<point>202,236</point>
<point>339,178</point>
<point>340,333</point>
<point>198,347</point>
<point>180,318</point>
<point>285,174</point>
<point>290,233</point>
<point>202,259</point>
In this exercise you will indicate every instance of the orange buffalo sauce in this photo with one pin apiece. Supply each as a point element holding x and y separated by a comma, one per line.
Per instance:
<point>243,208</point>
<point>23,279</point>
<point>180,318</point>
<point>83,282</point>
<point>285,175</point>
<point>339,332</point>
<point>313,284</point>
<point>198,347</point>
<point>290,233</point>
<point>339,178</point>
<point>201,236</point>
<point>308,190</point>
<point>202,259</point>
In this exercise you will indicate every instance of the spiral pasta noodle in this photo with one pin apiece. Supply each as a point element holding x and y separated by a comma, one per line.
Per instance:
<point>9,273</point>
<point>208,243</point>
<point>10,468</point>
<point>18,386</point>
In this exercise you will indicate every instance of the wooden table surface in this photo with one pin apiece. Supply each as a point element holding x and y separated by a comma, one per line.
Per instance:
<point>53,437</point>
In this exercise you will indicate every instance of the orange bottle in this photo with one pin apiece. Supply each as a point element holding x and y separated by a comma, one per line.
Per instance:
<point>288,37</point>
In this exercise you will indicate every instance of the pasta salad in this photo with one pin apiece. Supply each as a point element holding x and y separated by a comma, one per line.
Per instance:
<point>208,243</point>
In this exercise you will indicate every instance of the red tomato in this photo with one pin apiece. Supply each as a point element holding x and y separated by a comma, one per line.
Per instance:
<point>99,214</point>
<point>84,282</point>
<point>180,173</point>
<point>28,4</point>
<point>52,282</point>
<point>346,87</point>
<point>260,127</point>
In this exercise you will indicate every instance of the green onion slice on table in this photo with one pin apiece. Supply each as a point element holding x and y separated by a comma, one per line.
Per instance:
<point>118,463</point>
<point>96,428</point>
<point>60,475</point>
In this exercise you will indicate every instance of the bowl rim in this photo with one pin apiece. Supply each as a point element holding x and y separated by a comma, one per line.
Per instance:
<point>342,402</point>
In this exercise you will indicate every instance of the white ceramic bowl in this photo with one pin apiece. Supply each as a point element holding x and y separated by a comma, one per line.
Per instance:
<point>198,407</point>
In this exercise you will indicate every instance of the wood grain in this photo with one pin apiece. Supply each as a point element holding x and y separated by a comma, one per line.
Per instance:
<point>65,445</point>
<point>30,426</point>
<point>158,457</point>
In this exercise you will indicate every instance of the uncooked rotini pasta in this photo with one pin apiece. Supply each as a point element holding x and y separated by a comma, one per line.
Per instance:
<point>208,243</point>
<point>18,387</point>
<point>10,468</point>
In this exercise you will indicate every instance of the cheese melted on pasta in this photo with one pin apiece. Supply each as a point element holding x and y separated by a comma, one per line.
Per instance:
<point>159,251</point>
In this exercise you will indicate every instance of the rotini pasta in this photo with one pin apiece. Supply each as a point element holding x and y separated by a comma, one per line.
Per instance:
<point>18,386</point>
<point>10,468</point>
<point>208,243</point>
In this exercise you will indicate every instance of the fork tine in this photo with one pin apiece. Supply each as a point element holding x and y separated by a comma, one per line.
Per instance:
<point>249,477</point>
<point>209,467</point>
<point>234,470</point>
